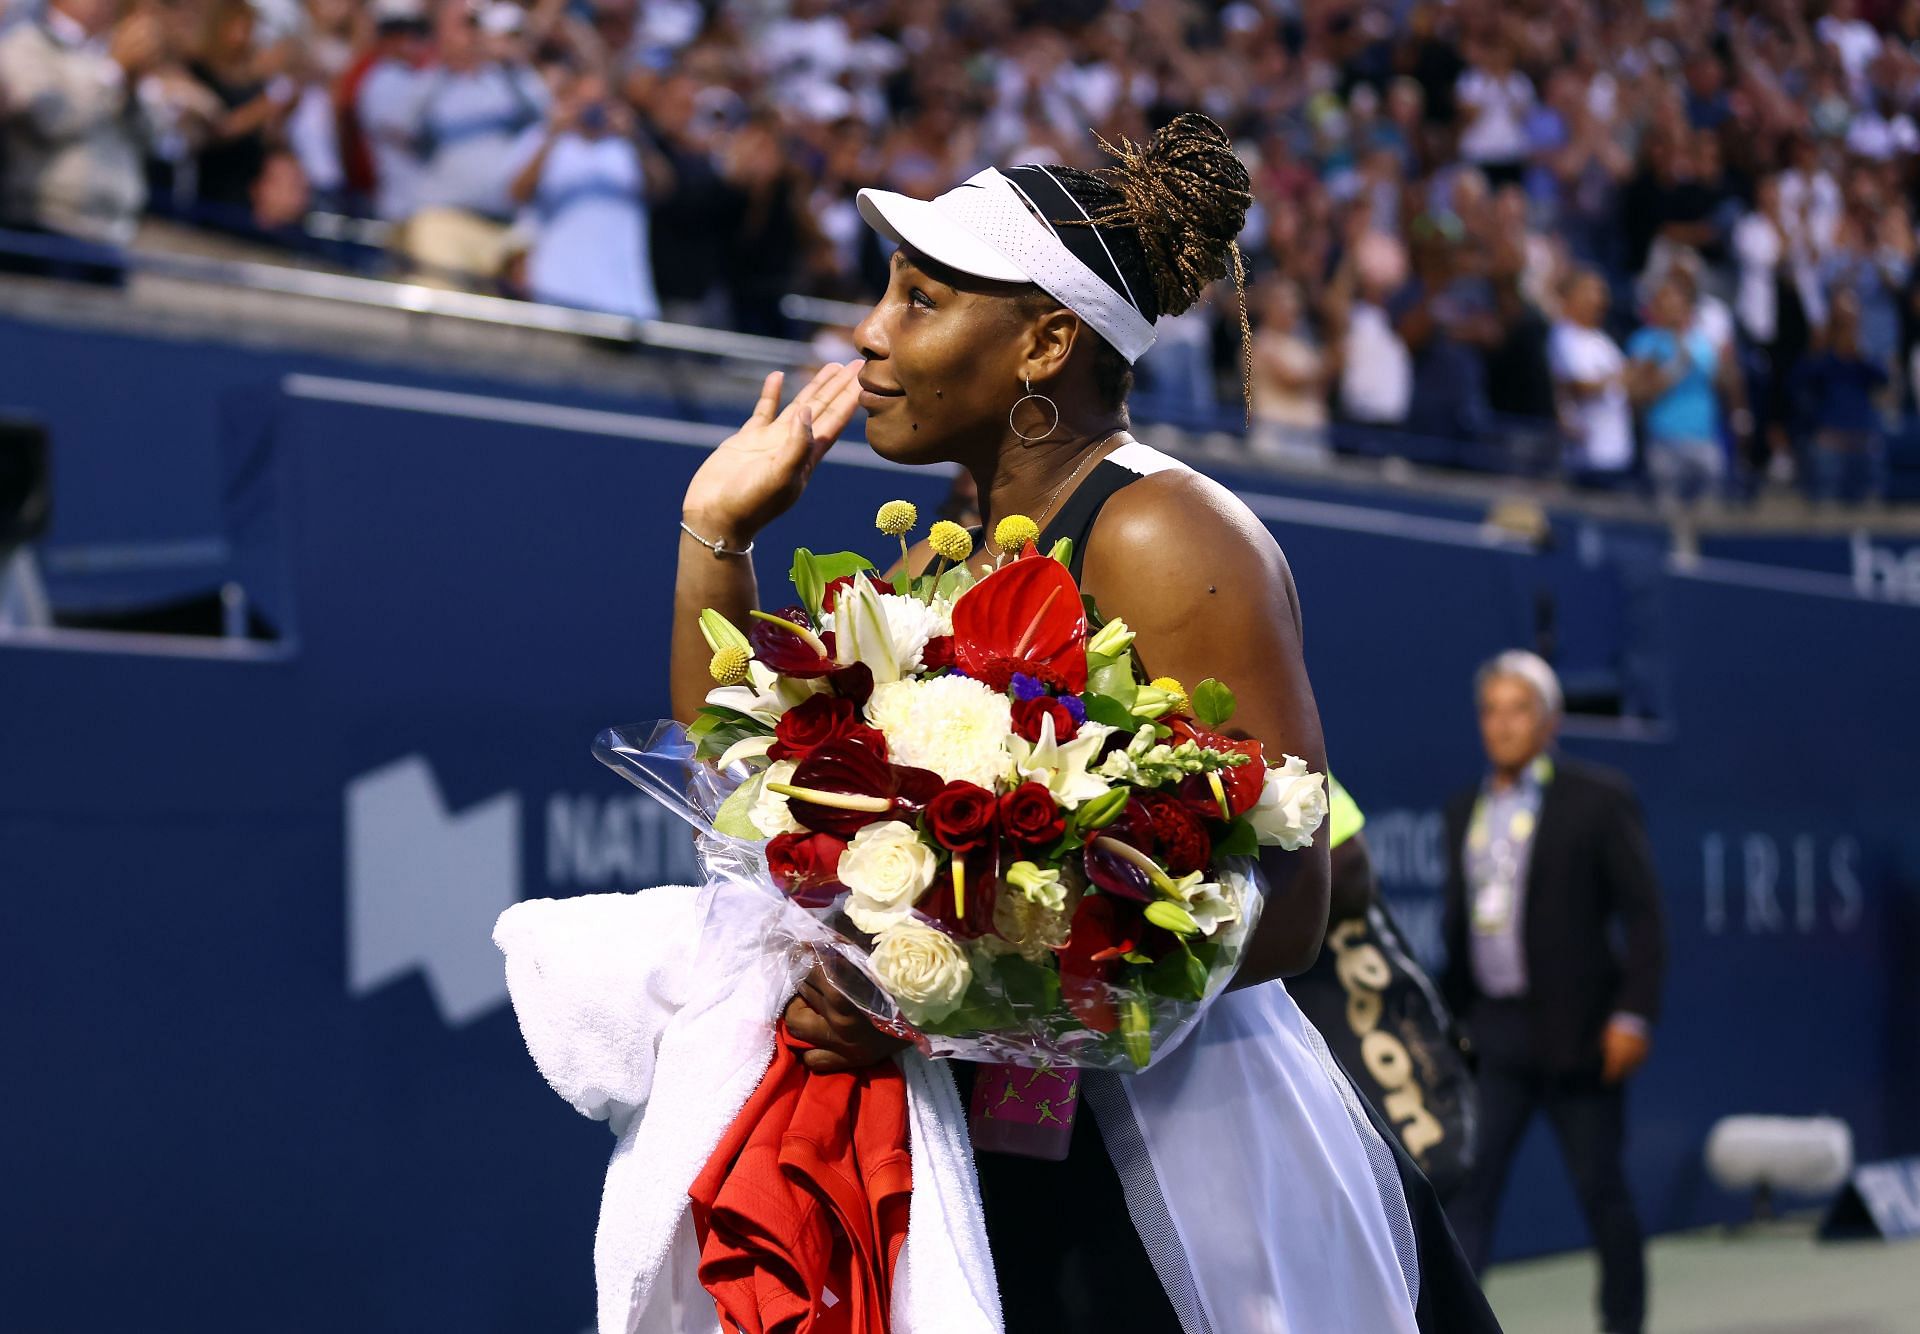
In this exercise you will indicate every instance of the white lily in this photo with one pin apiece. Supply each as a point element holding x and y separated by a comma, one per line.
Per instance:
<point>861,632</point>
<point>766,696</point>
<point>1061,769</point>
<point>746,748</point>
<point>1211,907</point>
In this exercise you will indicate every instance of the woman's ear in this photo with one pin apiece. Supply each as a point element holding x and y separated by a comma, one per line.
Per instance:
<point>1051,337</point>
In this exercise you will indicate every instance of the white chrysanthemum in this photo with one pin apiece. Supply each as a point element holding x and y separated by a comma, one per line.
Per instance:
<point>910,623</point>
<point>953,725</point>
<point>770,813</point>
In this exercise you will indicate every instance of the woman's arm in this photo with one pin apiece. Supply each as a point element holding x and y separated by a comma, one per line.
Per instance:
<point>753,478</point>
<point>1208,594</point>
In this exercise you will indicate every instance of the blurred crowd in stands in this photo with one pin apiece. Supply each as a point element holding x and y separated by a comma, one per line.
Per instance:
<point>1656,242</point>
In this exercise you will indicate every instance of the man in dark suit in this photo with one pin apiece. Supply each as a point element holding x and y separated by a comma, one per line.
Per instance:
<point>1547,856</point>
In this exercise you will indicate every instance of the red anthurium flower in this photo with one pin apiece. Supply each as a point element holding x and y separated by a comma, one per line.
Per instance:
<point>1028,714</point>
<point>1115,874</point>
<point>806,866</point>
<point>1102,932</point>
<point>1179,838</point>
<point>980,883</point>
<point>1242,782</point>
<point>788,652</point>
<point>1024,617</point>
<point>962,817</point>
<point>817,720</point>
<point>857,787</point>
<point>853,682</point>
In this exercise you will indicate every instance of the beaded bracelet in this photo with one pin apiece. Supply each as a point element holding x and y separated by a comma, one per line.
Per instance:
<point>718,549</point>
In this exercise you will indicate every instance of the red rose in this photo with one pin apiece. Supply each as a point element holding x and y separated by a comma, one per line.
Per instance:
<point>937,656</point>
<point>817,720</point>
<point>962,817</point>
<point>1028,713</point>
<point>1028,815</point>
<point>1178,835</point>
<point>830,595</point>
<point>807,866</point>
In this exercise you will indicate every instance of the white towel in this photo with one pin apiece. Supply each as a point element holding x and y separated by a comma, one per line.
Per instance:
<point>654,1011</point>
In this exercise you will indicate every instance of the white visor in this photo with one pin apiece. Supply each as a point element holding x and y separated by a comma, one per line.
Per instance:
<point>988,228</point>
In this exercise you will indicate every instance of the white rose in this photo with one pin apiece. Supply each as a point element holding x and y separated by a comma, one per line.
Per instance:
<point>953,725</point>
<point>924,970</point>
<point>770,813</point>
<point>888,868</point>
<point>1292,804</point>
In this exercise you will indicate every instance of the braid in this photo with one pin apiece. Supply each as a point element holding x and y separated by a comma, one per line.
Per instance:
<point>1171,210</point>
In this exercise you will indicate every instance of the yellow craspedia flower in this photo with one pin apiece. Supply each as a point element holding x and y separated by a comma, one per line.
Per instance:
<point>897,517</point>
<point>729,665</point>
<point>1175,689</point>
<point>1013,533</point>
<point>950,541</point>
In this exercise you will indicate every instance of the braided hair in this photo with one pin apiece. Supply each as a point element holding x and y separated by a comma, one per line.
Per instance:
<point>1170,211</point>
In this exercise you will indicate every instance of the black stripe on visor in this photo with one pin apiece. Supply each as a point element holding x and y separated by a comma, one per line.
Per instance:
<point>1057,208</point>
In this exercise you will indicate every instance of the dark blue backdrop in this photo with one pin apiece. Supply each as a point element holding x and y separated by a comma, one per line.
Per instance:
<point>223,1114</point>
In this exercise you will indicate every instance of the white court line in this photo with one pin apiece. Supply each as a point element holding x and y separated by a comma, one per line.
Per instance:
<point>1773,578</point>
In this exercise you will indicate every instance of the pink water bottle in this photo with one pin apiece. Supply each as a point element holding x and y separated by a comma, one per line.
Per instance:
<point>1024,1110</point>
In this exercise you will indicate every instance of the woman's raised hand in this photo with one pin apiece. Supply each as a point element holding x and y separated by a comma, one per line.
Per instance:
<point>760,470</point>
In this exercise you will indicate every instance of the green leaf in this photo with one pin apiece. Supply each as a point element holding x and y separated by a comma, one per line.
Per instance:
<point>1112,712</point>
<point>1180,976</point>
<point>1239,840</point>
<point>807,581</point>
<point>1213,703</point>
<point>812,574</point>
<point>1115,681</point>
<point>1062,551</point>
<point>983,1007</point>
<point>1094,619</point>
<point>954,582</point>
<point>840,564</point>
<point>731,819</point>
<point>1032,988</point>
<point>902,581</point>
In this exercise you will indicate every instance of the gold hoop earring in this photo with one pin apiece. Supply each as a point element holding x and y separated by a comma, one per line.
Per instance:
<point>1024,437</point>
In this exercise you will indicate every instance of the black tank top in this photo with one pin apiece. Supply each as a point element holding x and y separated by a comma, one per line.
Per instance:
<point>1081,509</point>
<point>1065,1250</point>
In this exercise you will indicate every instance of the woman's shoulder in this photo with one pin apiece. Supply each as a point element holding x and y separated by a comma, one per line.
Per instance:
<point>1172,510</point>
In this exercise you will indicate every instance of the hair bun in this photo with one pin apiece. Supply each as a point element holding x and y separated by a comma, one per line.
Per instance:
<point>1186,194</point>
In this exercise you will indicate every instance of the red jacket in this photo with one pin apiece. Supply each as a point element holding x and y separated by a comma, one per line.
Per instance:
<point>802,1210</point>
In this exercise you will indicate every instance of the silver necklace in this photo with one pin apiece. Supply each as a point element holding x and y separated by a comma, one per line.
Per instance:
<point>1052,495</point>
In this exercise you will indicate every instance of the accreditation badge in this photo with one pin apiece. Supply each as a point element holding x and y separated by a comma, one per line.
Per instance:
<point>1493,906</point>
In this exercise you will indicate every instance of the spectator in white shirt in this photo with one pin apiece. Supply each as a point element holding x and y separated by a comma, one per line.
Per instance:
<point>1376,368</point>
<point>1589,384</point>
<point>74,128</point>
<point>384,122</point>
<point>471,107</point>
<point>582,177</point>
<point>1495,101</point>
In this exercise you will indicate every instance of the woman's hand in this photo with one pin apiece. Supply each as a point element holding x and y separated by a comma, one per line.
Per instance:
<point>760,470</point>
<point>843,1038</point>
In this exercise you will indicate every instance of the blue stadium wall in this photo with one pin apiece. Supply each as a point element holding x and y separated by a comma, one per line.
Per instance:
<point>260,1071</point>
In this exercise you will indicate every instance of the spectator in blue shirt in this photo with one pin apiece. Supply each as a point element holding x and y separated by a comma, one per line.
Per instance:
<point>1676,376</point>
<point>1846,456</point>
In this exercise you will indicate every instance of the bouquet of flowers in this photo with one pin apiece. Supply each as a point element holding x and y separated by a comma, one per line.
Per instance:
<point>1022,850</point>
